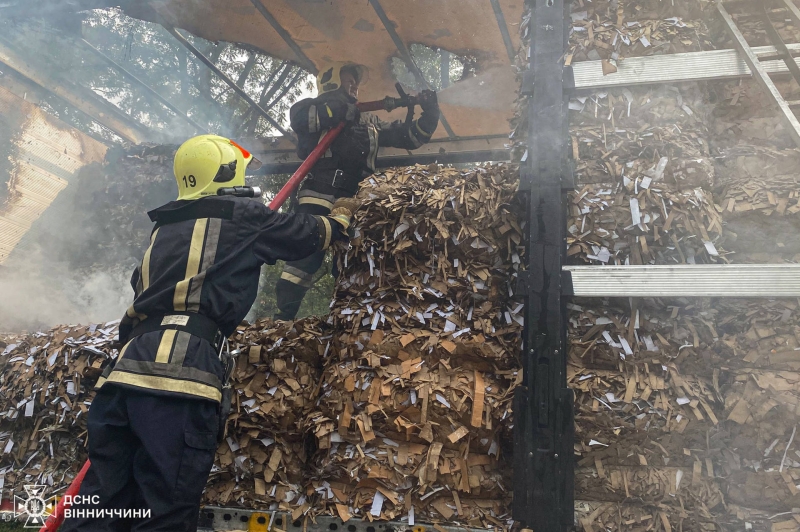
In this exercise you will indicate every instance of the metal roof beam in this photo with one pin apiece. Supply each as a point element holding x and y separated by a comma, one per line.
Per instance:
<point>304,61</point>
<point>152,92</point>
<point>81,98</point>
<point>501,23</point>
<point>405,54</point>
<point>228,81</point>
<point>280,157</point>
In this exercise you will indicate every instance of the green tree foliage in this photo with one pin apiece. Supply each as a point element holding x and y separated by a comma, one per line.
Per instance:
<point>439,67</point>
<point>154,56</point>
<point>151,53</point>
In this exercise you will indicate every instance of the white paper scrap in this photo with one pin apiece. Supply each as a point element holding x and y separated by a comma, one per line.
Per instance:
<point>635,213</point>
<point>626,346</point>
<point>710,248</point>
<point>441,399</point>
<point>377,504</point>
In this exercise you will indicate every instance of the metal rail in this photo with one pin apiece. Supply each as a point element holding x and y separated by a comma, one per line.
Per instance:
<point>405,54</point>
<point>305,62</point>
<point>678,68</point>
<point>760,74</point>
<point>501,24</point>
<point>707,280</point>
<point>228,81</point>
<point>281,157</point>
<point>215,518</point>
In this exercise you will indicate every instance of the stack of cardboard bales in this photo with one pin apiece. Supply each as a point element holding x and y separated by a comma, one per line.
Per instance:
<point>47,384</point>
<point>415,404</point>
<point>46,387</point>
<point>685,408</point>
<point>262,461</point>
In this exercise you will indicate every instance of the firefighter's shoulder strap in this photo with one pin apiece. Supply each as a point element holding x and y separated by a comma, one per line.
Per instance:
<point>211,207</point>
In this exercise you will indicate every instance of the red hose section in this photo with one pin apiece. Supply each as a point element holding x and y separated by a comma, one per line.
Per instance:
<point>315,155</point>
<point>57,517</point>
<point>309,163</point>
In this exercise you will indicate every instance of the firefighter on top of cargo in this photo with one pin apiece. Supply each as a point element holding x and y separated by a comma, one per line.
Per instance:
<point>159,412</point>
<point>350,159</point>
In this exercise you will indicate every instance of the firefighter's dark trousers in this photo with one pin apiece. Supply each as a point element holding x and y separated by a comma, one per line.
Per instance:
<point>298,275</point>
<point>148,452</point>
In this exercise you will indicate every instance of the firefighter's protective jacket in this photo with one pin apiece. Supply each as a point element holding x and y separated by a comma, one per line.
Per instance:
<point>204,259</point>
<point>355,150</point>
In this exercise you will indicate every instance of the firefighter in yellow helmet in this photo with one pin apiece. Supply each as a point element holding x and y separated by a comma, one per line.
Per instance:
<point>200,169</point>
<point>351,158</point>
<point>160,409</point>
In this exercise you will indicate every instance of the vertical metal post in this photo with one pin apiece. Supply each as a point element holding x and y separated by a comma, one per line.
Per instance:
<point>543,406</point>
<point>444,62</point>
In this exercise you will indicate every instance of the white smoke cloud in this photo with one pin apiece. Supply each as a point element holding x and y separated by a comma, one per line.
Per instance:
<point>37,293</point>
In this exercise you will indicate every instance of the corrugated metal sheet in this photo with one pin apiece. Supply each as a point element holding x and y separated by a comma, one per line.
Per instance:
<point>48,153</point>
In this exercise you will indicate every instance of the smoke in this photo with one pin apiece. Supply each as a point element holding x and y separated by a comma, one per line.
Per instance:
<point>37,293</point>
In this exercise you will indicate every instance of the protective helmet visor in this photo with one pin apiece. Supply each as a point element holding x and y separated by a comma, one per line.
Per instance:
<point>251,162</point>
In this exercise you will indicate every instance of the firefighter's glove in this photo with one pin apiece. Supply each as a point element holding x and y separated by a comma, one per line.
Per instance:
<point>342,212</point>
<point>428,101</point>
<point>333,112</point>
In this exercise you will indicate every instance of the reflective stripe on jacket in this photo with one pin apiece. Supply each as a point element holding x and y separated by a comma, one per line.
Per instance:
<point>204,257</point>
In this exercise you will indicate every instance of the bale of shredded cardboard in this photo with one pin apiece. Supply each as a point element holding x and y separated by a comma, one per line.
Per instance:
<point>415,401</point>
<point>47,383</point>
<point>685,410</point>
<point>399,406</point>
<point>262,461</point>
<point>45,392</point>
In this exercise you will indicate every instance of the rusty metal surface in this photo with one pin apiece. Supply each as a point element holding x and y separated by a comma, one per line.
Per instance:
<point>47,154</point>
<point>351,30</point>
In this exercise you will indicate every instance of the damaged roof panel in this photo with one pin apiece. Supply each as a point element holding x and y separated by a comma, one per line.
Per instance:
<point>48,152</point>
<point>352,30</point>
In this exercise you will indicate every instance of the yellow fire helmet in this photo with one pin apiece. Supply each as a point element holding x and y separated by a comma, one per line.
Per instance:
<point>329,78</point>
<point>206,163</point>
